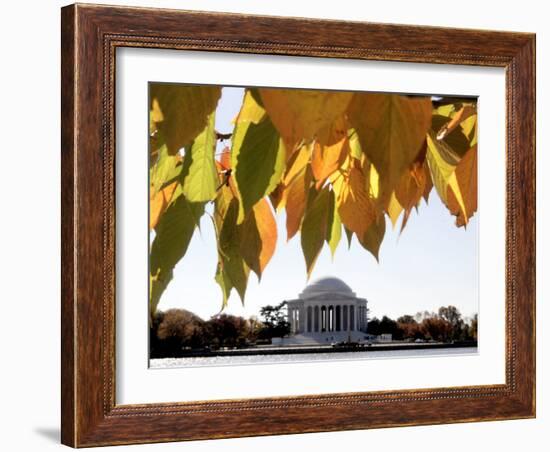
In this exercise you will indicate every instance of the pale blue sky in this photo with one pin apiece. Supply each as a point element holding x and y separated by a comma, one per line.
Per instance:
<point>433,263</point>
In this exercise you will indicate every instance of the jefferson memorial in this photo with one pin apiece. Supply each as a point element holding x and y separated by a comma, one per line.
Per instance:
<point>327,311</point>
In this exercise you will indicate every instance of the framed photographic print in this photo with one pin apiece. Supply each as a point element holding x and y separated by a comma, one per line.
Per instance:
<point>269,232</point>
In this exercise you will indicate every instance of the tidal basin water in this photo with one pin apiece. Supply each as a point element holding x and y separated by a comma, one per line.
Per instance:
<point>164,363</point>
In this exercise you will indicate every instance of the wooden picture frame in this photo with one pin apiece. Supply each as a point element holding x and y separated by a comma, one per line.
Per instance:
<point>90,36</point>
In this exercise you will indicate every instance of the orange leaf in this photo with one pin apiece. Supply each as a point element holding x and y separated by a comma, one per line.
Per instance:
<point>159,202</point>
<point>259,237</point>
<point>225,158</point>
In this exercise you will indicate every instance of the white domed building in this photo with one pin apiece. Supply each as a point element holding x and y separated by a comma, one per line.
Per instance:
<point>327,311</point>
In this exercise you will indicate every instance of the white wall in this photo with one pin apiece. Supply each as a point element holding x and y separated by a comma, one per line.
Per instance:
<point>29,226</point>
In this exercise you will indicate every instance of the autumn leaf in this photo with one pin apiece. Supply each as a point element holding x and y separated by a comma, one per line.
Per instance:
<point>391,130</point>
<point>334,226</point>
<point>457,142</point>
<point>159,203</point>
<point>297,162</point>
<point>181,112</point>
<point>355,207</point>
<point>394,209</point>
<point>296,199</point>
<point>332,160</point>
<point>165,170</point>
<point>199,175</point>
<point>373,236</point>
<point>443,173</point>
<point>232,270</point>
<point>258,162</point>
<point>429,183</point>
<point>330,150</point>
<point>250,111</point>
<point>438,156</point>
<point>314,227</point>
<point>299,114</point>
<point>411,186</point>
<point>259,237</point>
<point>466,176</point>
<point>461,115</point>
<point>170,244</point>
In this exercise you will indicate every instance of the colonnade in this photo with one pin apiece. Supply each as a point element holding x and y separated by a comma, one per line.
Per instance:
<point>322,318</point>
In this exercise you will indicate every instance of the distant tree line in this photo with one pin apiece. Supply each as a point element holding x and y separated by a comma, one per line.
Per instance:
<point>445,325</point>
<point>176,331</point>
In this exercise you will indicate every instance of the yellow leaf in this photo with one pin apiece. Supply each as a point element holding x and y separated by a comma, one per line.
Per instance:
<point>374,180</point>
<point>394,209</point>
<point>330,150</point>
<point>440,169</point>
<point>296,163</point>
<point>391,130</point>
<point>355,208</point>
<point>299,114</point>
<point>250,111</point>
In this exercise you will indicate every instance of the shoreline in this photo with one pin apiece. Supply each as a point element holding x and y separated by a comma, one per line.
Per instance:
<point>312,349</point>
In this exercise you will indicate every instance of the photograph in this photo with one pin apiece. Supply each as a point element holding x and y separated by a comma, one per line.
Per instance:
<point>293,224</point>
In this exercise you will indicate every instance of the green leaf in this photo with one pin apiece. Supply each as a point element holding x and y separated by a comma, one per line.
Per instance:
<point>166,169</point>
<point>314,227</point>
<point>181,111</point>
<point>157,286</point>
<point>391,130</point>
<point>224,282</point>
<point>231,264</point>
<point>173,234</point>
<point>199,175</point>
<point>258,161</point>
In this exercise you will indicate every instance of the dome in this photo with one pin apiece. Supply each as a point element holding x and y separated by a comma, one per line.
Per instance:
<point>327,285</point>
